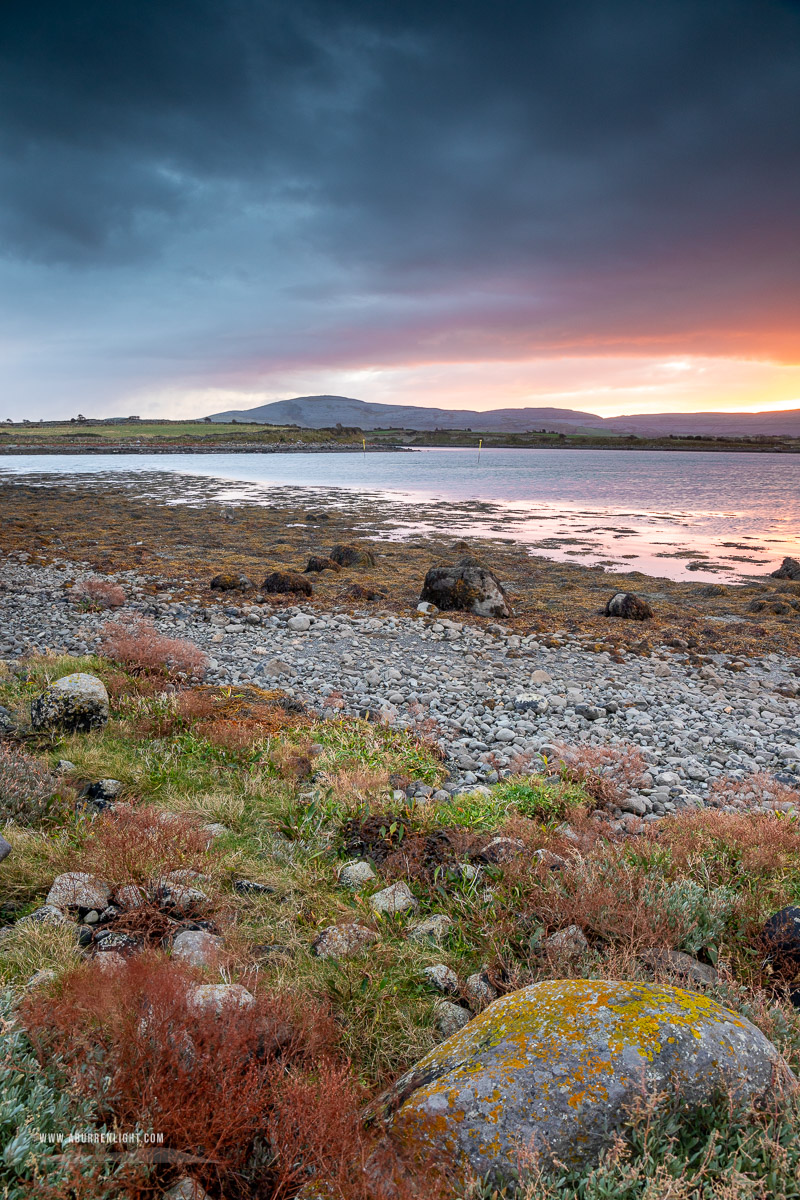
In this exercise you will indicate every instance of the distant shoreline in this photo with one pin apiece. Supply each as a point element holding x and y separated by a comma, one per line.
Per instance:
<point>17,450</point>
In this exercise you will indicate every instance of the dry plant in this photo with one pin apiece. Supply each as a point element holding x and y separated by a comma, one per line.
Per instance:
<point>136,644</point>
<point>99,593</point>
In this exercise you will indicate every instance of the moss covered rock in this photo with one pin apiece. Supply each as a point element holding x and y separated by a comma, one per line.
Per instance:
<point>554,1069</point>
<point>75,702</point>
<point>465,587</point>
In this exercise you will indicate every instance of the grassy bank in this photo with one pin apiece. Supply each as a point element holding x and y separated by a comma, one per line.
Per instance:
<point>263,804</point>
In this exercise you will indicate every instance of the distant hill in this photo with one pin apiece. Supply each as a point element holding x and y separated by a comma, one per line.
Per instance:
<point>324,412</point>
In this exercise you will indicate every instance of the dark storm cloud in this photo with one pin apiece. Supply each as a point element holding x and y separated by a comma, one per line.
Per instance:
<point>547,174</point>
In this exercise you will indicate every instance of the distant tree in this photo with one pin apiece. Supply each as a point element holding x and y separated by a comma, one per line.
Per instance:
<point>81,418</point>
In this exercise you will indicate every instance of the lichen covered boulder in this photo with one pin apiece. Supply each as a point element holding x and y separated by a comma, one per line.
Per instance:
<point>76,702</point>
<point>466,587</point>
<point>553,1069</point>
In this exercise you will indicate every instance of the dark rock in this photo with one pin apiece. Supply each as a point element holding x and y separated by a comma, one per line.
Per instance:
<point>315,517</point>
<point>465,587</point>
<point>675,962</point>
<point>352,556</point>
<point>789,569</point>
<point>317,564</point>
<point>5,848</point>
<point>102,793</point>
<point>229,582</point>
<point>287,581</point>
<point>7,722</point>
<point>630,606</point>
<point>248,887</point>
<point>781,934</point>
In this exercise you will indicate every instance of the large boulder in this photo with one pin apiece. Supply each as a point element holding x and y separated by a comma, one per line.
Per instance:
<point>76,702</point>
<point>789,569</point>
<point>467,587</point>
<point>317,564</point>
<point>352,556</point>
<point>287,581</point>
<point>555,1067</point>
<point>630,606</point>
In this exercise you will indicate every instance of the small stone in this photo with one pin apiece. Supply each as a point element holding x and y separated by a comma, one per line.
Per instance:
<point>479,991</point>
<point>103,792</point>
<point>76,889</point>
<point>109,960</point>
<point>41,978</point>
<point>675,962</point>
<point>431,929</point>
<point>65,767</point>
<point>633,804</point>
<point>426,608</point>
<point>532,702</point>
<point>356,875</point>
<point>215,830</point>
<point>181,898</point>
<point>196,947</point>
<point>91,918</point>
<point>540,677</point>
<point>443,978</point>
<point>299,624</point>
<point>214,997</point>
<point>396,898</point>
<point>187,1189</point>
<point>249,887</point>
<point>343,941</point>
<point>48,914</point>
<point>502,850</point>
<point>450,1017</point>
<point>129,897</point>
<point>570,942</point>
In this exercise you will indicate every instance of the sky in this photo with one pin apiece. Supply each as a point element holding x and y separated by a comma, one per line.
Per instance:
<point>590,204</point>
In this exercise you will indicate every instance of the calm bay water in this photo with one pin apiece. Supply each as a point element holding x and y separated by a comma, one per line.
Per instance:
<point>675,514</point>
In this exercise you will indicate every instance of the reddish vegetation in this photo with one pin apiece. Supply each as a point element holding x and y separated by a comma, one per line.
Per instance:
<point>26,786</point>
<point>758,788</point>
<point>100,593</point>
<point>136,644</point>
<point>139,845</point>
<point>606,773</point>
<point>259,1094</point>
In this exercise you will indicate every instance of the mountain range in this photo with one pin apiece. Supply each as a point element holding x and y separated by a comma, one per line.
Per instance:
<point>324,412</point>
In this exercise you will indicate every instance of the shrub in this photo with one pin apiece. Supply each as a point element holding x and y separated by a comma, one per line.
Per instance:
<point>137,645</point>
<point>100,593</point>
<point>257,1093</point>
<point>606,773</point>
<point>27,788</point>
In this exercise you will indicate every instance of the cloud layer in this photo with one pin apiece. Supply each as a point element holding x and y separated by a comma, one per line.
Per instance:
<point>197,195</point>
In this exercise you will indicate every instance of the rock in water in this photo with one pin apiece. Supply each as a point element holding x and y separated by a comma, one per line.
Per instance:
<point>76,702</point>
<point>555,1067</point>
<point>789,569</point>
<point>630,606</point>
<point>467,587</point>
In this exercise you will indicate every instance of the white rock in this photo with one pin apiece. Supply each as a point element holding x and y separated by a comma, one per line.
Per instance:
<point>299,624</point>
<point>450,1017</point>
<point>394,899</point>
<point>76,889</point>
<point>214,997</point>
<point>442,977</point>
<point>197,947</point>
<point>356,875</point>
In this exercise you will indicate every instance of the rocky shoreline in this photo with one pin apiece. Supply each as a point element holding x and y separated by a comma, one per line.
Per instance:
<point>495,700</point>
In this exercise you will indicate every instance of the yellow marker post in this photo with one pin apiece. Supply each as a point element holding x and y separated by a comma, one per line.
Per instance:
<point>480,443</point>
<point>364,444</point>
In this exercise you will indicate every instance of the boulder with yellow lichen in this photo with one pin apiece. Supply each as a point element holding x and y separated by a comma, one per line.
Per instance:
<point>554,1069</point>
